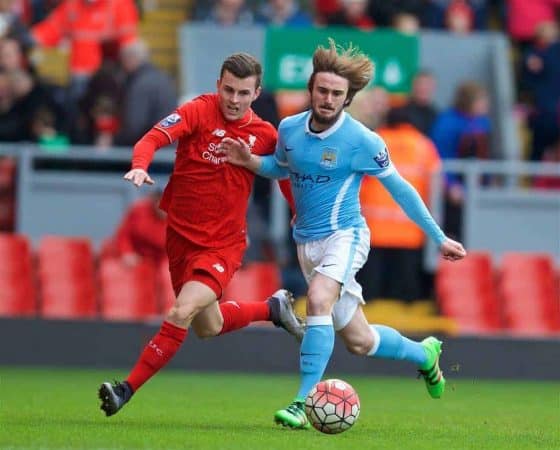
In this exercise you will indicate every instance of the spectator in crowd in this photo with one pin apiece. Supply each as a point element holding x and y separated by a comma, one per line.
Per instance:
<point>283,13</point>
<point>371,107</point>
<point>11,25</point>
<point>12,56</point>
<point>419,107</point>
<point>394,265</point>
<point>459,16</point>
<point>45,133</point>
<point>352,13</point>
<point>20,98</point>
<point>325,8</point>
<point>149,94</point>
<point>523,17</point>
<point>540,76</point>
<point>224,13</point>
<point>406,23</point>
<point>141,233</point>
<point>97,119</point>
<point>96,29</point>
<point>383,12</point>
<point>462,132</point>
<point>12,126</point>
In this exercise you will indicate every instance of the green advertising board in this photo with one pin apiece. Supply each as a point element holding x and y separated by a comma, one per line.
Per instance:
<point>288,55</point>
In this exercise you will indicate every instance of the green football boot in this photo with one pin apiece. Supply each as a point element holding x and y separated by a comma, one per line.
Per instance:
<point>432,374</point>
<point>293,416</point>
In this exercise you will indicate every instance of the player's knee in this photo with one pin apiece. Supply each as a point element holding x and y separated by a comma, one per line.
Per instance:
<point>182,314</point>
<point>318,302</point>
<point>360,346</point>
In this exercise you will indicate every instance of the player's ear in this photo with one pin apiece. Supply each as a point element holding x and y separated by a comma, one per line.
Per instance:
<point>257,93</point>
<point>218,82</point>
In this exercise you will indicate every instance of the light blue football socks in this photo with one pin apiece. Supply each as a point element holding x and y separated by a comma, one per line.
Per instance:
<point>315,352</point>
<point>393,345</point>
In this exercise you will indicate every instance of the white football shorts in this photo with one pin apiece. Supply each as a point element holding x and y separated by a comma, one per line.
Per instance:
<point>338,256</point>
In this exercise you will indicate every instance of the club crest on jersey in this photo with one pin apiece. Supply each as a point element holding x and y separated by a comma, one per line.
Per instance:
<point>252,140</point>
<point>219,132</point>
<point>170,120</point>
<point>382,158</point>
<point>328,158</point>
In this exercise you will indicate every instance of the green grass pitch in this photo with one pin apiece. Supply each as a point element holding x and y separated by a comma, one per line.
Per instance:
<point>59,409</point>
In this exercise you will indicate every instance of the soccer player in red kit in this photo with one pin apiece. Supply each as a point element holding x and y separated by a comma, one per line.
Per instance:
<point>206,202</point>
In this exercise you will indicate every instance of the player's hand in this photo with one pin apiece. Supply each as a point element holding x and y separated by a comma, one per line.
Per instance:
<point>452,250</point>
<point>138,177</point>
<point>236,151</point>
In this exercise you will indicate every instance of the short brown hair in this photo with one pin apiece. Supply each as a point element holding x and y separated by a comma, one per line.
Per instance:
<point>242,65</point>
<point>466,94</point>
<point>350,63</point>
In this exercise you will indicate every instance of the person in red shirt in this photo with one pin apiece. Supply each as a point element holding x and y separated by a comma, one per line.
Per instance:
<point>206,202</point>
<point>141,233</point>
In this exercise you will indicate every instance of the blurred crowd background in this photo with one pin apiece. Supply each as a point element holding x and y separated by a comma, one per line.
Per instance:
<point>95,75</point>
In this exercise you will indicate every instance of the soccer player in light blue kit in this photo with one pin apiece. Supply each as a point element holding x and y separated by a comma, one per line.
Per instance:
<point>326,153</point>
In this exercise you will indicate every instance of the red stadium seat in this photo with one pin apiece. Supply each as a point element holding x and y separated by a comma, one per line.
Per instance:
<point>466,292</point>
<point>66,278</point>
<point>530,294</point>
<point>254,282</point>
<point>128,293</point>
<point>17,287</point>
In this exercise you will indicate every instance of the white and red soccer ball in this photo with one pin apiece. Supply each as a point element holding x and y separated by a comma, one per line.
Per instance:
<point>332,406</point>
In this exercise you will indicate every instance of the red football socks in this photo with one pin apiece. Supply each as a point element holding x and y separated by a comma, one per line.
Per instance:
<point>240,314</point>
<point>156,354</point>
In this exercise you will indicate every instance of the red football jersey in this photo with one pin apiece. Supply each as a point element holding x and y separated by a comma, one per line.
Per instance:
<point>206,198</point>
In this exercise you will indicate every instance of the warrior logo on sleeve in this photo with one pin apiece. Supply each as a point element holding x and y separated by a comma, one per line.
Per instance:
<point>382,158</point>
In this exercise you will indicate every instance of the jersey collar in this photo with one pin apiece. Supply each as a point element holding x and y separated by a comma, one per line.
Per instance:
<point>325,133</point>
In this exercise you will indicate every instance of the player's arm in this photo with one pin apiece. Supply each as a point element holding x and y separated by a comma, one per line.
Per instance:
<point>410,201</point>
<point>237,152</point>
<point>374,160</point>
<point>163,133</point>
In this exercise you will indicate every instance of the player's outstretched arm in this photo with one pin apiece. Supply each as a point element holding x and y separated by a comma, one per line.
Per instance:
<point>138,177</point>
<point>238,153</point>
<point>410,201</point>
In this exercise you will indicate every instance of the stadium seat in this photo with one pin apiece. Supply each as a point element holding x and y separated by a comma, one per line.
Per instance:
<point>466,292</point>
<point>66,278</point>
<point>128,293</point>
<point>530,294</point>
<point>254,282</point>
<point>17,287</point>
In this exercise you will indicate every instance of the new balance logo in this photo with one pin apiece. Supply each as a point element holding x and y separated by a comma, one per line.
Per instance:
<point>218,132</point>
<point>219,267</point>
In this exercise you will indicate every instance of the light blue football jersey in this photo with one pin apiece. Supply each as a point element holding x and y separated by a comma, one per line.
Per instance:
<point>326,170</point>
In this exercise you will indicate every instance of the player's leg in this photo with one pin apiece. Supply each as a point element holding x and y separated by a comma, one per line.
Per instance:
<point>193,298</point>
<point>316,347</point>
<point>325,264</point>
<point>218,267</point>
<point>218,319</point>
<point>380,341</point>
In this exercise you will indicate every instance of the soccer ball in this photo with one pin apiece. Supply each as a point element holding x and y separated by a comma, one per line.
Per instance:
<point>332,406</point>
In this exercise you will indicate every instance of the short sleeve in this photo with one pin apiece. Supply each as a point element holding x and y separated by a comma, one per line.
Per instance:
<point>372,156</point>
<point>183,121</point>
